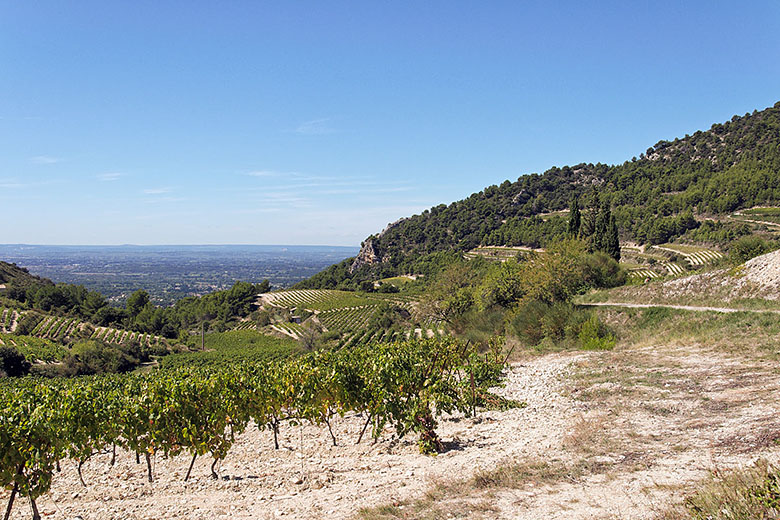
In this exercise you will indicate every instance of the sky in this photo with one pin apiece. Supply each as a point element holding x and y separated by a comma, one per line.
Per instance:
<point>250,122</point>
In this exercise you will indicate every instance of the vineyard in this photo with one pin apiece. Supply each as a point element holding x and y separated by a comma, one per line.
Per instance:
<point>671,259</point>
<point>60,329</point>
<point>643,272</point>
<point>34,349</point>
<point>348,313</point>
<point>118,336</point>
<point>349,318</point>
<point>695,256</point>
<point>9,319</point>
<point>769,217</point>
<point>234,346</point>
<point>319,299</point>
<point>199,411</point>
<point>498,253</point>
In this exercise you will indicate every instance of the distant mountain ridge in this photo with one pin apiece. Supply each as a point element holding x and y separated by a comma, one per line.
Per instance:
<point>665,192</point>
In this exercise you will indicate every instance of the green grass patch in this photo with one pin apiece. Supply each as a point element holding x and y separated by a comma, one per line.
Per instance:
<point>774,212</point>
<point>398,281</point>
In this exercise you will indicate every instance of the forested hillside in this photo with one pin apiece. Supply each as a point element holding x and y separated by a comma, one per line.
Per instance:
<point>669,190</point>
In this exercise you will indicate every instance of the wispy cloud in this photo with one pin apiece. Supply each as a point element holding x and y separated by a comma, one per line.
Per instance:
<point>14,183</point>
<point>109,177</point>
<point>45,159</point>
<point>159,200</point>
<point>366,191</point>
<point>256,211</point>
<point>271,174</point>
<point>316,127</point>
<point>157,191</point>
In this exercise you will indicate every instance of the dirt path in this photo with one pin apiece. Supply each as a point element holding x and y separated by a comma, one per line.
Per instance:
<point>680,307</point>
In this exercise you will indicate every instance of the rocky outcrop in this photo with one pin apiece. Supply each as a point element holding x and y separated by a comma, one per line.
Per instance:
<point>369,253</point>
<point>366,256</point>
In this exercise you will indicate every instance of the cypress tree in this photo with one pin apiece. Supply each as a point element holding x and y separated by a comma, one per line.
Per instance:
<point>574,217</point>
<point>613,240</point>
<point>588,224</point>
<point>601,230</point>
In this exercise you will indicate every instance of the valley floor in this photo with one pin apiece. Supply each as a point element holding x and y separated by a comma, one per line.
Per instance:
<point>610,435</point>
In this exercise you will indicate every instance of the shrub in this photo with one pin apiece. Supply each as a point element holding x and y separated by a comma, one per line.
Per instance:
<point>748,247</point>
<point>594,335</point>
<point>94,357</point>
<point>12,362</point>
<point>601,270</point>
<point>538,323</point>
<point>263,318</point>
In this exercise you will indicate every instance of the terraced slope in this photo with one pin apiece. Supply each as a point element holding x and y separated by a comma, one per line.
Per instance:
<point>342,311</point>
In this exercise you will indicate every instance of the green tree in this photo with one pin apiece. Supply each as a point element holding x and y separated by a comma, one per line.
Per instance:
<point>136,302</point>
<point>575,219</point>
<point>612,241</point>
<point>600,237</point>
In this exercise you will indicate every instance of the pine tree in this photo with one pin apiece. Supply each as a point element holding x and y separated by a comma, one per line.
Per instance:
<point>574,218</point>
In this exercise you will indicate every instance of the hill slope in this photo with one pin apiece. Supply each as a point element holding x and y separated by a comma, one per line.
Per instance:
<point>19,275</point>
<point>669,190</point>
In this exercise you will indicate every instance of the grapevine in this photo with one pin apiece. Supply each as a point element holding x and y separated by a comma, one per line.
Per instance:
<point>200,409</point>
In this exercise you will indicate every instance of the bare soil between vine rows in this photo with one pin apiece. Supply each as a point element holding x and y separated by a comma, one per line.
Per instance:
<point>646,422</point>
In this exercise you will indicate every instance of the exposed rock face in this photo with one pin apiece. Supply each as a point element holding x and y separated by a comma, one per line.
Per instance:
<point>367,256</point>
<point>368,253</point>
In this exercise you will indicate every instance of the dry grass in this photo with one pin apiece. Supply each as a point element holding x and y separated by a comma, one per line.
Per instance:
<point>672,389</point>
<point>721,288</point>
<point>744,494</point>
<point>472,497</point>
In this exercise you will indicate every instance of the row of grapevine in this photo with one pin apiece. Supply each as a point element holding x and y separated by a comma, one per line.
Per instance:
<point>290,329</point>
<point>304,298</point>
<point>117,336</point>
<point>674,269</point>
<point>703,257</point>
<point>347,319</point>
<point>8,319</point>
<point>33,348</point>
<point>246,325</point>
<point>643,273</point>
<point>200,411</point>
<point>322,299</point>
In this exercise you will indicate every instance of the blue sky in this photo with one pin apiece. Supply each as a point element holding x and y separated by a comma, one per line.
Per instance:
<point>161,122</point>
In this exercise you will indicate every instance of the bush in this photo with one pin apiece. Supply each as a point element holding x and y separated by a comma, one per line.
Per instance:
<point>12,362</point>
<point>594,335</point>
<point>602,271</point>
<point>94,357</point>
<point>526,322</point>
<point>538,323</point>
<point>263,318</point>
<point>748,247</point>
<point>479,327</point>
